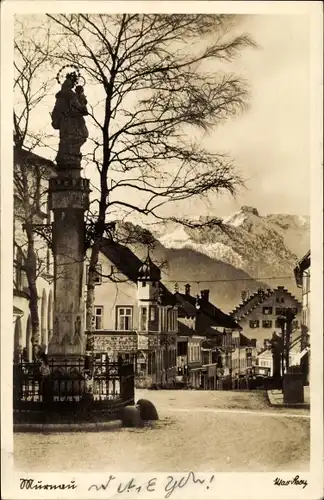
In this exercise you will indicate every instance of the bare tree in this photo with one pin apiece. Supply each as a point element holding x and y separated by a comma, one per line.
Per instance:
<point>30,170</point>
<point>161,81</point>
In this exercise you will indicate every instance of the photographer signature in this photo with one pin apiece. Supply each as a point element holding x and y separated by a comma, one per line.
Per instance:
<point>296,481</point>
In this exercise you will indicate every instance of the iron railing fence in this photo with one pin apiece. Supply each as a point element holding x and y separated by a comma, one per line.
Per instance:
<point>69,382</point>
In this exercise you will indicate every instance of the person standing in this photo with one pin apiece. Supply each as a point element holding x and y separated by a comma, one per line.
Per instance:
<point>46,389</point>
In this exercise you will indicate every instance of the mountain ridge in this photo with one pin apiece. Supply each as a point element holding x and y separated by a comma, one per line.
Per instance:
<point>246,251</point>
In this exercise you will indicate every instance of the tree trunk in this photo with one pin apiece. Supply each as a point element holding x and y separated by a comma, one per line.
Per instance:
<point>31,273</point>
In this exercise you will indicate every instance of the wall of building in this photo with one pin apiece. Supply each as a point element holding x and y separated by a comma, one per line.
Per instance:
<point>22,325</point>
<point>273,304</point>
<point>306,298</point>
<point>110,296</point>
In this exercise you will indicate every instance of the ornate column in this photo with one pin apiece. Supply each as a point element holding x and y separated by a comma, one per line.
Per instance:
<point>68,199</point>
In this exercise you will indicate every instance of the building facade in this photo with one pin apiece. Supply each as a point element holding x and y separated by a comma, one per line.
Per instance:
<point>258,314</point>
<point>208,334</point>
<point>31,174</point>
<point>135,316</point>
<point>303,276</point>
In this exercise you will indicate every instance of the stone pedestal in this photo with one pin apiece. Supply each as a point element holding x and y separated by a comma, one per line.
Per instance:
<point>293,388</point>
<point>68,198</point>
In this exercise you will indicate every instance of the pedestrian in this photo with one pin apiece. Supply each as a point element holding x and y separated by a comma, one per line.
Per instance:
<point>46,389</point>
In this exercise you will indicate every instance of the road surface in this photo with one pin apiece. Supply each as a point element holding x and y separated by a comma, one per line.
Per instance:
<point>203,431</point>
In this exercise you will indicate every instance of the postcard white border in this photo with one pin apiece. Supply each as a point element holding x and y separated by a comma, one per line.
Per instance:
<point>244,485</point>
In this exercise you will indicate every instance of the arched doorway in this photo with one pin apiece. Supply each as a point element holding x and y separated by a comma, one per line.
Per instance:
<point>29,346</point>
<point>50,316</point>
<point>43,322</point>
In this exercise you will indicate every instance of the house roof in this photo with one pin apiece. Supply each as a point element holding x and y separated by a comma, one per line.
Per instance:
<point>17,311</point>
<point>149,271</point>
<point>211,343</point>
<point>257,298</point>
<point>122,258</point>
<point>218,318</point>
<point>128,264</point>
<point>32,159</point>
<point>185,331</point>
<point>303,264</point>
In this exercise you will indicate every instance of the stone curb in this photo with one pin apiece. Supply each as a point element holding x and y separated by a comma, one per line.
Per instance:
<point>86,427</point>
<point>274,402</point>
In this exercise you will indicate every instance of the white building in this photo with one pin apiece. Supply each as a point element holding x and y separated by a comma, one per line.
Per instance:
<point>32,171</point>
<point>302,275</point>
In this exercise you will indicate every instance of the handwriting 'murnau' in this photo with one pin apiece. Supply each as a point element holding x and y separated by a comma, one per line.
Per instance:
<point>31,484</point>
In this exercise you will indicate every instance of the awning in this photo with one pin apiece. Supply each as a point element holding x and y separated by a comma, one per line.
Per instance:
<point>300,355</point>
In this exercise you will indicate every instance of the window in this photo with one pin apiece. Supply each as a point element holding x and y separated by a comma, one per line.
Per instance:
<point>267,324</point>
<point>267,310</point>
<point>98,276</point>
<point>254,323</point>
<point>294,310</point>
<point>124,318</point>
<point>98,317</point>
<point>143,320</point>
<point>294,325</point>
<point>280,311</point>
<point>153,313</point>
<point>282,300</point>
<point>143,283</point>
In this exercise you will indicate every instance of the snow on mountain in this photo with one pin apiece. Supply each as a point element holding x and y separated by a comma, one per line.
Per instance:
<point>179,238</point>
<point>260,245</point>
<point>247,250</point>
<point>236,219</point>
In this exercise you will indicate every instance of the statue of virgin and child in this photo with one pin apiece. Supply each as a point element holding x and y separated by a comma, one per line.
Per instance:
<point>68,117</point>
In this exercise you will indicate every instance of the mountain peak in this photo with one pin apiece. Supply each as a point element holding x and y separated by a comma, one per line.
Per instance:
<point>250,210</point>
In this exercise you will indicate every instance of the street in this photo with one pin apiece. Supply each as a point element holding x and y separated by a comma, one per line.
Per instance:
<point>220,431</point>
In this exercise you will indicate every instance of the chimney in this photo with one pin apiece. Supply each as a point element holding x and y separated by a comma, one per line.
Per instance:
<point>204,296</point>
<point>187,289</point>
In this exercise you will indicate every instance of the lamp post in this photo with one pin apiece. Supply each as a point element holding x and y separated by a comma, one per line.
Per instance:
<point>285,322</point>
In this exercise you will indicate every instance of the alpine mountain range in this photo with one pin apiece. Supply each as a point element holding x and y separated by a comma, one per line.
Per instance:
<point>246,251</point>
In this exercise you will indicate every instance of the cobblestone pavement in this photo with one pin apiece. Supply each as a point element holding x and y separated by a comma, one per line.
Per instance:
<point>219,431</point>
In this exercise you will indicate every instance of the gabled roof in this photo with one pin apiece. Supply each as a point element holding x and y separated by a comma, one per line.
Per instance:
<point>122,258</point>
<point>256,299</point>
<point>128,264</point>
<point>149,271</point>
<point>218,318</point>
<point>32,159</point>
<point>303,264</point>
<point>211,343</point>
<point>17,311</point>
<point>185,331</point>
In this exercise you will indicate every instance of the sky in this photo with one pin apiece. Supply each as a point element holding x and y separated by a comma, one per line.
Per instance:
<point>270,142</point>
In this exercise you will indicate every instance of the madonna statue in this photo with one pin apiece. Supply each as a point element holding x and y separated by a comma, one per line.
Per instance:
<point>68,117</point>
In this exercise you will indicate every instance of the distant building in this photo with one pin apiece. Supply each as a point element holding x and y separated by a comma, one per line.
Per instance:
<point>258,314</point>
<point>199,320</point>
<point>302,276</point>
<point>264,363</point>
